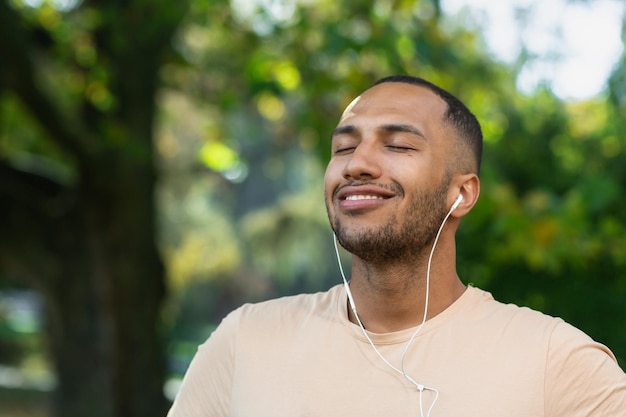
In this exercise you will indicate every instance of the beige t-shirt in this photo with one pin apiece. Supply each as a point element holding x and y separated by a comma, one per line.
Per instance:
<point>301,356</point>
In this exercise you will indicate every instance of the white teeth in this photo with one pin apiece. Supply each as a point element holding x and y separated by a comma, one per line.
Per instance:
<point>364,197</point>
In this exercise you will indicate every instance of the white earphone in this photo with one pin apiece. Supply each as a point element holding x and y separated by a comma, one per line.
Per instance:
<point>401,370</point>
<point>456,203</point>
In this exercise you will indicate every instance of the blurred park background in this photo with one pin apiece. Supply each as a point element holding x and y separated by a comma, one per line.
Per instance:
<point>161,163</point>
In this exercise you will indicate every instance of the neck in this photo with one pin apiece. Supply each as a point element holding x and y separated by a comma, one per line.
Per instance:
<point>392,296</point>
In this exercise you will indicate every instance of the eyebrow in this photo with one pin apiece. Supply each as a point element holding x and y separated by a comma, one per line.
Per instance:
<point>343,130</point>
<point>388,128</point>
<point>391,128</point>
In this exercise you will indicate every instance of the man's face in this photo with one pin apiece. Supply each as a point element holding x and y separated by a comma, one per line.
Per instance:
<point>386,183</point>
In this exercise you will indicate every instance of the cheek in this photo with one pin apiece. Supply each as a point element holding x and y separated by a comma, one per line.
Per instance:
<point>332,178</point>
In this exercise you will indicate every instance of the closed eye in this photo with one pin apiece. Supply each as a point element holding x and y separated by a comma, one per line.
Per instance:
<point>347,149</point>
<point>400,148</point>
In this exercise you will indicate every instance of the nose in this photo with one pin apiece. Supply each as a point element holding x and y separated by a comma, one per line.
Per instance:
<point>363,163</point>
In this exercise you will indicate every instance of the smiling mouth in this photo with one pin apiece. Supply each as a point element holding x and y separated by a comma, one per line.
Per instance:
<point>363,197</point>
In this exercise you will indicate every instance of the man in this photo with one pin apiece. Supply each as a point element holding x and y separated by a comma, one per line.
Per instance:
<point>405,337</point>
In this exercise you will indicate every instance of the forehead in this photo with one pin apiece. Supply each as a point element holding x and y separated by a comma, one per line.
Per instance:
<point>396,102</point>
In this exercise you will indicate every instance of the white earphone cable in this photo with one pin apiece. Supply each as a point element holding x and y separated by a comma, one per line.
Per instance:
<point>400,370</point>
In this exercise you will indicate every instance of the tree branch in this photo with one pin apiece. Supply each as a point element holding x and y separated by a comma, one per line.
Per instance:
<point>17,74</point>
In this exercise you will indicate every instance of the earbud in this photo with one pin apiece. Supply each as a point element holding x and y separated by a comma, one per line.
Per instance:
<point>458,201</point>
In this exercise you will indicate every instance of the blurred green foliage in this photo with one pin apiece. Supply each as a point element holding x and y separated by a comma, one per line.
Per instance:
<point>247,101</point>
<point>548,229</point>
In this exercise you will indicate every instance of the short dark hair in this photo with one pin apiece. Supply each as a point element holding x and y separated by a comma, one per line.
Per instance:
<point>462,120</point>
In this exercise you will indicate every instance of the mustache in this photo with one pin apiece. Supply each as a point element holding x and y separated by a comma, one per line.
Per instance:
<point>393,187</point>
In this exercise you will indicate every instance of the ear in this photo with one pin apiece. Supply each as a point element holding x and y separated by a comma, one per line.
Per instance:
<point>468,186</point>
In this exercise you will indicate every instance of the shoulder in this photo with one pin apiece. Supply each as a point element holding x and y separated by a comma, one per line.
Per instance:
<point>508,317</point>
<point>523,329</point>
<point>264,322</point>
<point>511,317</point>
<point>289,309</point>
<point>580,376</point>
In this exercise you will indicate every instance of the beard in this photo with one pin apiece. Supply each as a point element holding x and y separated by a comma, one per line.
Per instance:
<point>398,238</point>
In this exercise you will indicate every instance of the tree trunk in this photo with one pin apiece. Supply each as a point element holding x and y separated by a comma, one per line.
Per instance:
<point>102,289</point>
<point>89,247</point>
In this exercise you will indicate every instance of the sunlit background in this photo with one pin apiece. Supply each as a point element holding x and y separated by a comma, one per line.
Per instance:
<point>574,45</point>
<point>245,97</point>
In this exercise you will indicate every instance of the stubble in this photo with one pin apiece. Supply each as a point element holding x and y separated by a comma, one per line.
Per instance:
<point>403,235</point>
